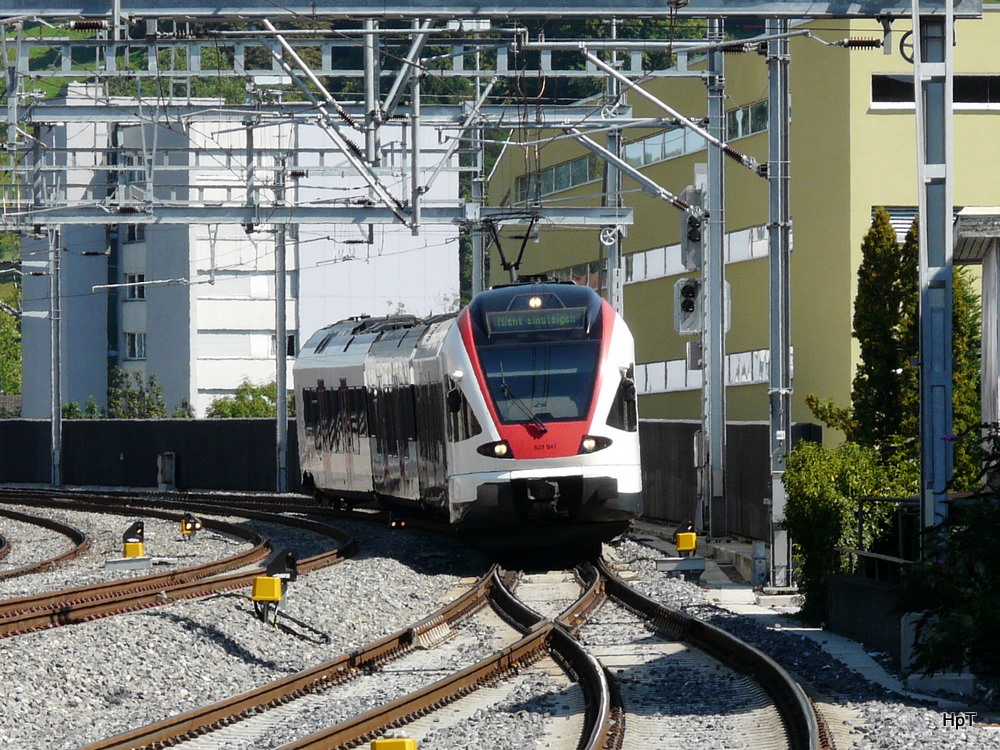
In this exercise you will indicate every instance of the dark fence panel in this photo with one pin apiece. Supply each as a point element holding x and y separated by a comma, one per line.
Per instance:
<point>669,480</point>
<point>670,489</point>
<point>25,451</point>
<point>223,454</point>
<point>867,611</point>
<point>239,454</point>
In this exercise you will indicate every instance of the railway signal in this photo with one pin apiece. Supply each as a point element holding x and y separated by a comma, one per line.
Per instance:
<point>688,307</point>
<point>692,240</point>
<point>133,540</point>
<point>190,525</point>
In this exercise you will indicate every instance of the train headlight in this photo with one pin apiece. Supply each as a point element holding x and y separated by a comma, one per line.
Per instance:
<point>535,302</point>
<point>499,449</point>
<point>592,443</point>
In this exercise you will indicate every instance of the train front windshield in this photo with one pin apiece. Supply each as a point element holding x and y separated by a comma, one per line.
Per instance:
<point>550,381</point>
<point>539,352</point>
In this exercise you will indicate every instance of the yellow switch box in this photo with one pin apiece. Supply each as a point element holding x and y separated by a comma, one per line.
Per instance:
<point>266,589</point>
<point>687,542</point>
<point>394,743</point>
<point>133,549</point>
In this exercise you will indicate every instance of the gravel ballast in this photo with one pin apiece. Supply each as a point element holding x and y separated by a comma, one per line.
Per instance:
<point>70,686</point>
<point>891,721</point>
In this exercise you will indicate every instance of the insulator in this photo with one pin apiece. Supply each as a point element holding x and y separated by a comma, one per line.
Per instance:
<point>85,25</point>
<point>740,48</point>
<point>738,156</point>
<point>861,43</point>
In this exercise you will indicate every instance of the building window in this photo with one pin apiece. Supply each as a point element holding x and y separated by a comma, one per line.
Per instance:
<point>741,122</point>
<point>136,288</point>
<point>290,343</point>
<point>135,233</point>
<point>135,346</point>
<point>898,89</point>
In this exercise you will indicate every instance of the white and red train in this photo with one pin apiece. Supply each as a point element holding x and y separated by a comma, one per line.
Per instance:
<point>515,418</point>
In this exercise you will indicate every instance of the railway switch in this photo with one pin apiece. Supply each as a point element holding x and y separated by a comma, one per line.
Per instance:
<point>687,543</point>
<point>394,743</point>
<point>266,598</point>
<point>190,525</point>
<point>132,539</point>
<point>266,589</point>
<point>134,555</point>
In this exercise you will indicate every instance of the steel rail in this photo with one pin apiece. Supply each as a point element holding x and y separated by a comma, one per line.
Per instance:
<point>86,603</point>
<point>220,504</point>
<point>16,610</point>
<point>80,544</point>
<point>796,710</point>
<point>543,637</point>
<point>342,669</point>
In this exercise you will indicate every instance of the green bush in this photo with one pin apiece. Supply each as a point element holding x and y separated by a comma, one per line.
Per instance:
<point>249,401</point>
<point>823,488</point>
<point>956,589</point>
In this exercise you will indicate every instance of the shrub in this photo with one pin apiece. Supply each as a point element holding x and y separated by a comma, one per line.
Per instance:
<point>956,588</point>
<point>823,489</point>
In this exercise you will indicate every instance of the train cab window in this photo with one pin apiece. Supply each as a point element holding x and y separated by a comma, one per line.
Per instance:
<point>623,414</point>
<point>539,348</point>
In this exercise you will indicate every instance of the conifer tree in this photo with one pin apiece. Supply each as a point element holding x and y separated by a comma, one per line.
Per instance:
<point>878,327</point>
<point>885,398</point>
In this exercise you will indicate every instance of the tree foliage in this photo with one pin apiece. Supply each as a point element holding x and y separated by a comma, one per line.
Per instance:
<point>879,321</point>
<point>249,401</point>
<point>885,396</point>
<point>131,397</point>
<point>10,354</point>
<point>956,590</point>
<point>91,410</point>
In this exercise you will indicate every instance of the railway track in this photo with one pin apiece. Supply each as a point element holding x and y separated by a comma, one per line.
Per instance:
<point>599,710</point>
<point>65,607</point>
<point>76,537</point>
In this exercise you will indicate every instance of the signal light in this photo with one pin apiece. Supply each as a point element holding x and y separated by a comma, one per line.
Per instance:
<point>692,238</point>
<point>190,525</point>
<point>132,540</point>
<point>688,315</point>
<point>694,228</point>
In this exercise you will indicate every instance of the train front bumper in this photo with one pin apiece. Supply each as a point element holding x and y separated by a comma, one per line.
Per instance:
<point>599,494</point>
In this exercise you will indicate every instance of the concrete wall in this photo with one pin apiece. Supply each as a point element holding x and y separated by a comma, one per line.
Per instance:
<point>223,454</point>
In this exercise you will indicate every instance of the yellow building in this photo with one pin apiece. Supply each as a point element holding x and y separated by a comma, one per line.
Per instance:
<point>852,136</point>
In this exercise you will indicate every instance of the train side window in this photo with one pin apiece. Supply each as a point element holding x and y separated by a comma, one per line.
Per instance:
<point>359,421</point>
<point>310,409</point>
<point>462,423</point>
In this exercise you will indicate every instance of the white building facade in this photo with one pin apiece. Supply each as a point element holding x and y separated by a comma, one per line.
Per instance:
<point>194,305</point>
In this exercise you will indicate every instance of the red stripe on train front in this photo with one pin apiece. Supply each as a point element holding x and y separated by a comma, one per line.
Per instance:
<point>526,441</point>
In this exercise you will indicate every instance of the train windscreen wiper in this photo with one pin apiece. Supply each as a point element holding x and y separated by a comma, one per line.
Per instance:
<point>509,395</point>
